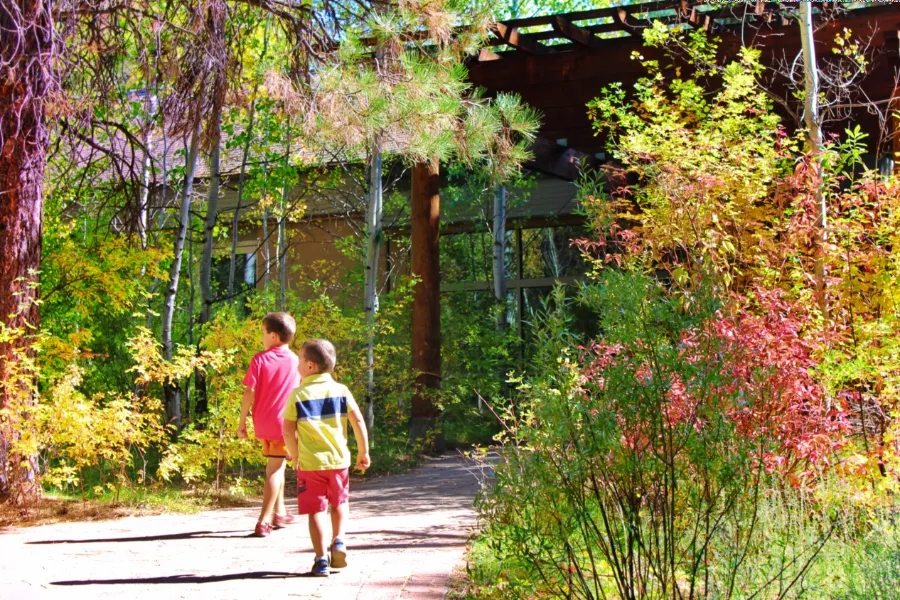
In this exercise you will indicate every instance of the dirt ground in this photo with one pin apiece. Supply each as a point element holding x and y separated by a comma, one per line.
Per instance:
<point>406,535</point>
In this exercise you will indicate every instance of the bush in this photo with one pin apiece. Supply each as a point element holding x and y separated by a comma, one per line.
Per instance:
<point>638,466</point>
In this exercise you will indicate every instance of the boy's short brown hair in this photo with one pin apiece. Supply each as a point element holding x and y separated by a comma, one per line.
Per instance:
<point>281,324</point>
<point>320,352</point>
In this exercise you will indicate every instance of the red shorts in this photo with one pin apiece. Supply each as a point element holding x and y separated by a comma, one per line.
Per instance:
<point>317,489</point>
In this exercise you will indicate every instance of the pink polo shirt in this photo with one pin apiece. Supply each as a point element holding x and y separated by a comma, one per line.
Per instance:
<point>273,376</point>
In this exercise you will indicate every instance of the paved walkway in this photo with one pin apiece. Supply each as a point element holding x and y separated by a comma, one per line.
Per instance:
<point>406,535</point>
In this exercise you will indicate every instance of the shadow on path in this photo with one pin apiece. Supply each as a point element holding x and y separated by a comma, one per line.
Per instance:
<point>381,546</point>
<point>182,579</point>
<point>414,534</point>
<point>190,535</point>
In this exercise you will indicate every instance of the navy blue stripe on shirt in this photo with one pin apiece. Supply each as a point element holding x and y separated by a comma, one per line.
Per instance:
<point>321,408</point>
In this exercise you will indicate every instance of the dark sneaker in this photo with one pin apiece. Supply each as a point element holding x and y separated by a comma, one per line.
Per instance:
<point>320,568</point>
<point>338,554</point>
<point>262,529</point>
<point>282,521</point>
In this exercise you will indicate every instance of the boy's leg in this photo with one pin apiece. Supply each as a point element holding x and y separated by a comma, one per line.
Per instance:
<point>317,536</point>
<point>339,516</point>
<point>339,498</point>
<point>274,482</point>
<point>312,501</point>
<point>279,497</point>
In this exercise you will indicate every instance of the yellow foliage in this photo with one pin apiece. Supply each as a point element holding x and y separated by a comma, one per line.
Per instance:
<point>151,366</point>
<point>83,431</point>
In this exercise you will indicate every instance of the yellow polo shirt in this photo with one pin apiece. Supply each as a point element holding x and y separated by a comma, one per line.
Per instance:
<point>320,407</point>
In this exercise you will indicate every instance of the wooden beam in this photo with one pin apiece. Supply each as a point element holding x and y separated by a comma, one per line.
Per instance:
<point>520,41</point>
<point>579,35</point>
<point>555,34</point>
<point>583,15</point>
<point>426,306</point>
<point>486,55</point>
<point>469,226</point>
<point>698,20</point>
<point>627,21</point>
<point>513,284</point>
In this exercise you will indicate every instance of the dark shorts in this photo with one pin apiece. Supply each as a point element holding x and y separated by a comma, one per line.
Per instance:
<point>317,489</point>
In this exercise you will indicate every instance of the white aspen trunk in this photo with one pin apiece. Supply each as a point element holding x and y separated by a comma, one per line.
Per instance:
<point>499,254</point>
<point>212,213</point>
<point>374,239</point>
<point>281,254</point>
<point>281,250</point>
<point>173,400</point>
<point>814,138</point>
<point>499,263</point>
<point>150,105</point>
<point>235,221</point>
<point>555,267</point>
<point>265,223</point>
<point>266,256</point>
<point>201,405</point>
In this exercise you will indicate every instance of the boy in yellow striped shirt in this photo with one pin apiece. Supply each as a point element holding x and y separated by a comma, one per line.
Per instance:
<point>315,434</point>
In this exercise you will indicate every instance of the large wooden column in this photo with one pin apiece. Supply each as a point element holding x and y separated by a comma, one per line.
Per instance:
<point>426,308</point>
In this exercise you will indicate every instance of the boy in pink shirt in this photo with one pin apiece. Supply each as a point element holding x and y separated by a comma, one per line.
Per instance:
<point>270,379</point>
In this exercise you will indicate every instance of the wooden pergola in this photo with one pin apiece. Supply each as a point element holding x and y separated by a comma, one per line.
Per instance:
<point>558,63</point>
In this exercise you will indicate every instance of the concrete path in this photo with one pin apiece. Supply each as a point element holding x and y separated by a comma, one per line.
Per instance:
<point>406,535</point>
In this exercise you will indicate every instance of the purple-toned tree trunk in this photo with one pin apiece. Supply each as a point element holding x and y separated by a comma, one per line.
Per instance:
<point>26,82</point>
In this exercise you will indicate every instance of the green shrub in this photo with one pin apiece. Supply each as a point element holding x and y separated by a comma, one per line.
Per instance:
<point>639,466</point>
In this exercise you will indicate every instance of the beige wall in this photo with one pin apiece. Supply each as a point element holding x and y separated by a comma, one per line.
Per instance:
<point>312,254</point>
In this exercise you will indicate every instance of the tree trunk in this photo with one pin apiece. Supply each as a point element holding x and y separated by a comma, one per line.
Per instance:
<point>426,308</point>
<point>173,397</point>
<point>266,255</point>
<point>373,251</point>
<point>212,213</point>
<point>206,292</point>
<point>895,130</point>
<point>281,251</point>
<point>150,106</point>
<point>814,139</point>
<point>499,255</point>
<point>265,223</point>
<point>26,78</point>
<point>499,260</point>
<point>235,221</point>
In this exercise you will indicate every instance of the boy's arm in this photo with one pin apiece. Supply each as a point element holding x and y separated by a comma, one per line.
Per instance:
<point>289,431</point>
<point>362,439</point>
<point>246,405</point>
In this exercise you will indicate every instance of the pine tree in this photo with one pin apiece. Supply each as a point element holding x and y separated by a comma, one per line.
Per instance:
<point>397,87</point>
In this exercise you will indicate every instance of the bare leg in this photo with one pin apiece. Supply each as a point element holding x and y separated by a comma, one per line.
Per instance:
<point>280,509</point>
<point>339,517</point>
<point>317,523</point>
<point>274,483</point>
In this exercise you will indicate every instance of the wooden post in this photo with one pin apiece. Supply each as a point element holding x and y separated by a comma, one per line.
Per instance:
<point>426,308</point>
